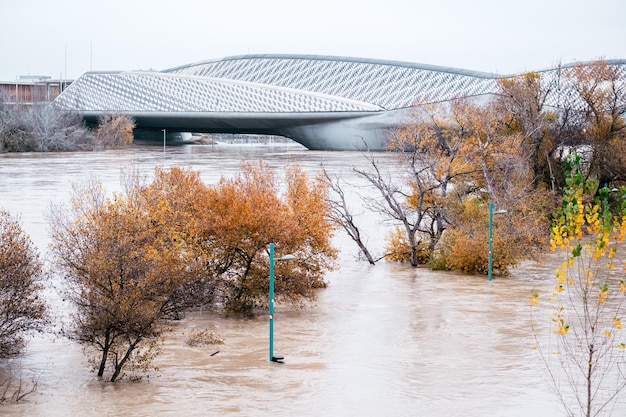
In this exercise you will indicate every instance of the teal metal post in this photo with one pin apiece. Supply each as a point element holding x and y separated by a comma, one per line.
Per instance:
<point>274,358</point>
<point>490,255</point>
<point>164,135</point>
<point>271,302</point>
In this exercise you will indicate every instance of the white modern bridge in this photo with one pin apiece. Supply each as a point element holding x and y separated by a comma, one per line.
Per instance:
<point>322,102</point>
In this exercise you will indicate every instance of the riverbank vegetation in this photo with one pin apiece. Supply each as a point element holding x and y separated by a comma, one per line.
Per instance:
<point>43,128</point>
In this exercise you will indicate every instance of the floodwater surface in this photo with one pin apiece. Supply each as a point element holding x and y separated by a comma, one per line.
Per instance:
<point>380,340</point>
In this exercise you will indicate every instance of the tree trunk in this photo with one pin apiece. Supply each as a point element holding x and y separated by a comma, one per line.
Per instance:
<point>413,245</point>
<point>120,365</point>
<point>589,379</point>
<point>355,234</point>
<point>367,253</point>
<point>105,354</point>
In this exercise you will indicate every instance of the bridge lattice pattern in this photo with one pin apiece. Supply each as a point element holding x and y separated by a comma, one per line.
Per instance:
<point>385,84</point>
<point>283,84</point>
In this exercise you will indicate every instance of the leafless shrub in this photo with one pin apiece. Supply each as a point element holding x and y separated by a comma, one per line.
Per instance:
<point>54,130</point>
<point>14,387</point>
<point>42,128</point>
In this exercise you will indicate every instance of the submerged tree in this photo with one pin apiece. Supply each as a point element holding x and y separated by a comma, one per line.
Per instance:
<point>41,128</point>
<point>457,159</point>
<point>343,216</point>
<point>122,266</point>
<point>432,150</point>
<point>21,308</point>
<point>50,129</point>
<point>521,102</point>
<point>14,387</point>
<point>599,121</point>
<point>136,258</point>
<point>174,201</point>
<point>585,354</point>
<point>114,130</point>
<point>244,214</point>
<point>504,177</point>
<point>392,204</point>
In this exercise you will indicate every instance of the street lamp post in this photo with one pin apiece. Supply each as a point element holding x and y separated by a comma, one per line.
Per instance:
<point>272,357</point>
<point>164,134</point>
<point>490,256</point>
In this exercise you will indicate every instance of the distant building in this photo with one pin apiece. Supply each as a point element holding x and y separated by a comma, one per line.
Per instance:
<point>31,89</point>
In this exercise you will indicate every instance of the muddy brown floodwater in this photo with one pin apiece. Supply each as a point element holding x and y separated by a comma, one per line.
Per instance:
<point>383,340</point>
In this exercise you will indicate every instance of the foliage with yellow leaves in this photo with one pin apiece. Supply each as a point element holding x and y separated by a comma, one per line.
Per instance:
<point>589,296</point>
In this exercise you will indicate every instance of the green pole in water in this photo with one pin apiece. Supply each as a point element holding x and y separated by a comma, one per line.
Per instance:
<point>271,302</point>
<point>490,257</point>
<point>272,357</point>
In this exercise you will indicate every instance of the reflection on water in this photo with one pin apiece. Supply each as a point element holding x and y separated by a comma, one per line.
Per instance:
<point>383,340</point>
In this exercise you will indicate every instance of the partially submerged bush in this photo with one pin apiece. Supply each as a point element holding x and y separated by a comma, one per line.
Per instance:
<point>203,337</point>
<point>397,248</point>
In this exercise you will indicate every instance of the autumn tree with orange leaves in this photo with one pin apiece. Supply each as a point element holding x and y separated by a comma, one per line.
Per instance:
<point>432,151</point>
<point>21,308</point>
<point>175,202</point>
<point>459,158</point>
<point>505,177</point>
<point>135,258</point>
<point>522,103</point>
<point>244,214</point>
<point>123,264</point>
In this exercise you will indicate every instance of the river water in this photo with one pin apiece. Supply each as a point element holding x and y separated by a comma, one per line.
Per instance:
<point>380,340</point>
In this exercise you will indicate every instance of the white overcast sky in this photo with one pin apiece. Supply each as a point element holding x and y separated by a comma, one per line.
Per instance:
<point>65,38</point>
